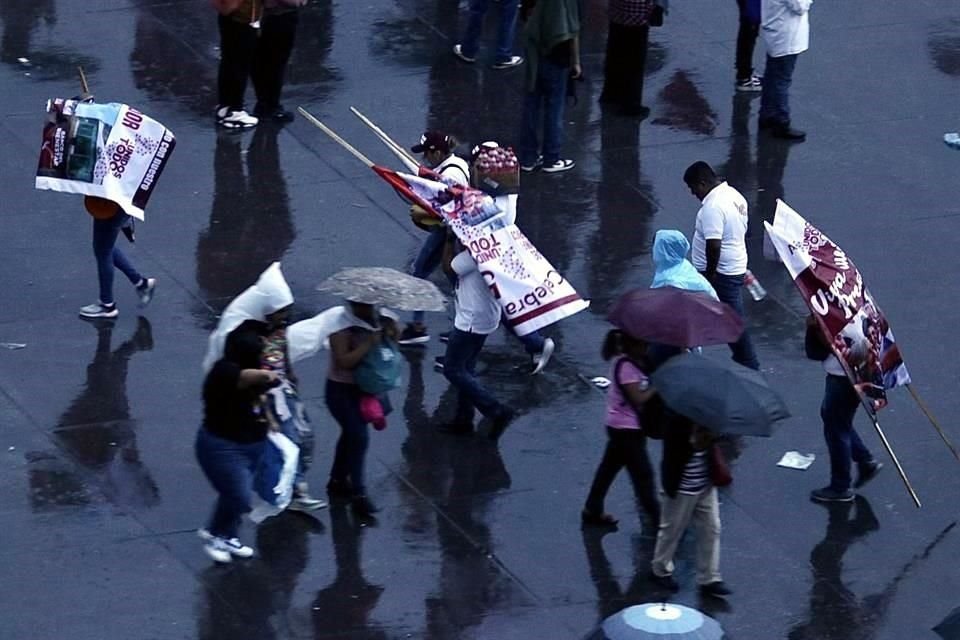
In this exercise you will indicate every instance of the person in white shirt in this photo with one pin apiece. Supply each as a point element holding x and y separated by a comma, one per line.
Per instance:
<point>719,246</point>
<point>437,149</point>
<point>477,316</point>
<point>785,26</point>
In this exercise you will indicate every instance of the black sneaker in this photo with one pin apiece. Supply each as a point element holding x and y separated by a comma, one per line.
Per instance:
<point>667,582</point>
<point>413,335</point>
<point>276,114</point>
<point>500,424</point>
<point>438,364</point>
<point>445,337</point>
<point>828,494</point>
<point>716,589</point>
<point>362,506</point>
<point>788,133</point>
<point>867,471</point>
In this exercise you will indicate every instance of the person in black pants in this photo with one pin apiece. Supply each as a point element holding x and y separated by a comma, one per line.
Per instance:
<point>239,22</point>
<point>277,32</point>
<point>626,59</point>
<point>626,436</point>
<point>746,42</point>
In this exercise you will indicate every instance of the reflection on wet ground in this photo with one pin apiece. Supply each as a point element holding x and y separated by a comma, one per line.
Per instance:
<point>475,540</point>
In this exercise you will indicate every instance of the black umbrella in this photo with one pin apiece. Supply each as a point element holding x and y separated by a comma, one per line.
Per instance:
<point>949,629</point>
<point>724,397</point>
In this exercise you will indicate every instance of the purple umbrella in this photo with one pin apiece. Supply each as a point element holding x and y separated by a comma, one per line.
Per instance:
<point>675,317</point>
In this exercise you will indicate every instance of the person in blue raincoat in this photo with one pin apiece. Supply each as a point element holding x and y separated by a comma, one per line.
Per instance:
<point>670,248</point>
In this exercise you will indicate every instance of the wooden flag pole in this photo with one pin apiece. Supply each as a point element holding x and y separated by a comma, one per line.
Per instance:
<point>933,421</point>
<point>401,153</point>
<point>84,87</point>
<point>893,456</point>
<point>330,132</point>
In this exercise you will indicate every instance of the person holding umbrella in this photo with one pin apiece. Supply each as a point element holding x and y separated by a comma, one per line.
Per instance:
<point>626,435</point>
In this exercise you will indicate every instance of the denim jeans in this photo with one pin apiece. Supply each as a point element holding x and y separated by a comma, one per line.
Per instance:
<point>459,364</point>
<point>343,401</point>
<point>505,29</point>
<point>229,466</point>
<point>546,99</point>
<point>840,403</point>
<point>429,258</point>
<point>626,448</point>
<point>775,100</point>
<point>109,256</point>
<point>532,342</point>
<point>730,290</point>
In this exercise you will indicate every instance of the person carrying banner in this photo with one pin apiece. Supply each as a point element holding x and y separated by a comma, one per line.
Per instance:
<point>840,403</point>
<point>719,245</point>
<point>477,316</point>
<point>239,24</point>
<point>108,220</point>
<point>437,149</point>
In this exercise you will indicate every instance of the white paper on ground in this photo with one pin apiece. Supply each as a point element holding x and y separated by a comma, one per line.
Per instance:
<point>796,460</point>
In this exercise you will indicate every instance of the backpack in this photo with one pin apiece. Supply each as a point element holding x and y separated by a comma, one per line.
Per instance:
<point>379,371</point>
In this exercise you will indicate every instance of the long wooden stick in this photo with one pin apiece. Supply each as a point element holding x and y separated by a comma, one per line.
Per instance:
<point>933,421</point>
<point>83,81</point>
<point>401,152</point>
<point>330,132</point>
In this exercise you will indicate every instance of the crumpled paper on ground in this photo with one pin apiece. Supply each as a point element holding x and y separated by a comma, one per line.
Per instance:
<point>797,460</point>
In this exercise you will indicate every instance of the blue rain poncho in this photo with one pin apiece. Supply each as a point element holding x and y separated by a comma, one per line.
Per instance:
<point>670,249</point>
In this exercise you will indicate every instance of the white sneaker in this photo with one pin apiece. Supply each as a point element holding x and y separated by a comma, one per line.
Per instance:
<point>205,535</point>
<point>558,166</point>
<point>99,310</point>
<point>532,167</point>
<point>513,61</point>
<point>236,548</point>
<point>230,119</point>
<point>542,358</point>
<point>752,84</point>
<point>458,51</point>
<point>306,503</point>
<point>217,550</point>
<point>145,291</point>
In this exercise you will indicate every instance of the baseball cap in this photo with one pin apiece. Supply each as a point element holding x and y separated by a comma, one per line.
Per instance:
<point>432,141</point>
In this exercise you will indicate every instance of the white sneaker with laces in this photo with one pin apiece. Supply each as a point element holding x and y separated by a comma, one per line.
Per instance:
<point>99,310</point>
<point>217,550</point>
<point>236,548</point>
<point>230,119</point>
<point>558,166</point>
<point>752,84</point>
<point>541,359</point>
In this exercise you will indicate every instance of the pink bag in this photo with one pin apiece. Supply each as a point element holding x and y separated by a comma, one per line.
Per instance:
<point>372,411</point>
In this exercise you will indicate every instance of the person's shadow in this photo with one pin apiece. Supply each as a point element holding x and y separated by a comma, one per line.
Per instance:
<point>612,596</point>
<point>98,434</point>
<point>342,609</point>
<point>250,223</point>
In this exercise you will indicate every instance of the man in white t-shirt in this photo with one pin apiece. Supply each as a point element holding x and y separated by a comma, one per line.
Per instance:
<point>477,316</point>
<point>719,246</point>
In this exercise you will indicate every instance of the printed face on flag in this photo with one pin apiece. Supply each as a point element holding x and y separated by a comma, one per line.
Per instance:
<point>834,290</point>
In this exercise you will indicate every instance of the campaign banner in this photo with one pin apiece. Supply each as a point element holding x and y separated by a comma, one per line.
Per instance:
<point>834,290</point>
<point>530,291</point>
<point>107,150</point>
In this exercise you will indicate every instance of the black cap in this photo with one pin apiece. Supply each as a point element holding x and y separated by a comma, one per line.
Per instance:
<point>432,141</point>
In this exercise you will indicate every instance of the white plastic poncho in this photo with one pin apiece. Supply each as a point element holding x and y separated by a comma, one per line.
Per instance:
<point>270,293</point>
<point>307,337</point>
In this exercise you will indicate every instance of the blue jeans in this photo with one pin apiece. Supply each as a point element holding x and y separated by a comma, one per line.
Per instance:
<point>505,30</point>
<point>532,342</point>
<point>730,290</point>
<point>548,96</point>
<point>343,401</point>
<point>429,258</point>
<point>109,256</point>
<point>775,99</point>
<point>840,402</point>
<point>459,365</point>
<point>229,466</point>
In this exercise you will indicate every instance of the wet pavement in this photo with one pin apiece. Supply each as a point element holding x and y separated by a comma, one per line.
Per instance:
<point>102,493</point>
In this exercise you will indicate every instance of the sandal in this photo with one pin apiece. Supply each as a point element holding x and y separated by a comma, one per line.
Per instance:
<point>598,519</point>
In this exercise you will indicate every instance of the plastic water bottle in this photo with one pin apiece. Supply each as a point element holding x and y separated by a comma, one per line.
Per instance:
<point>756,290</point>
